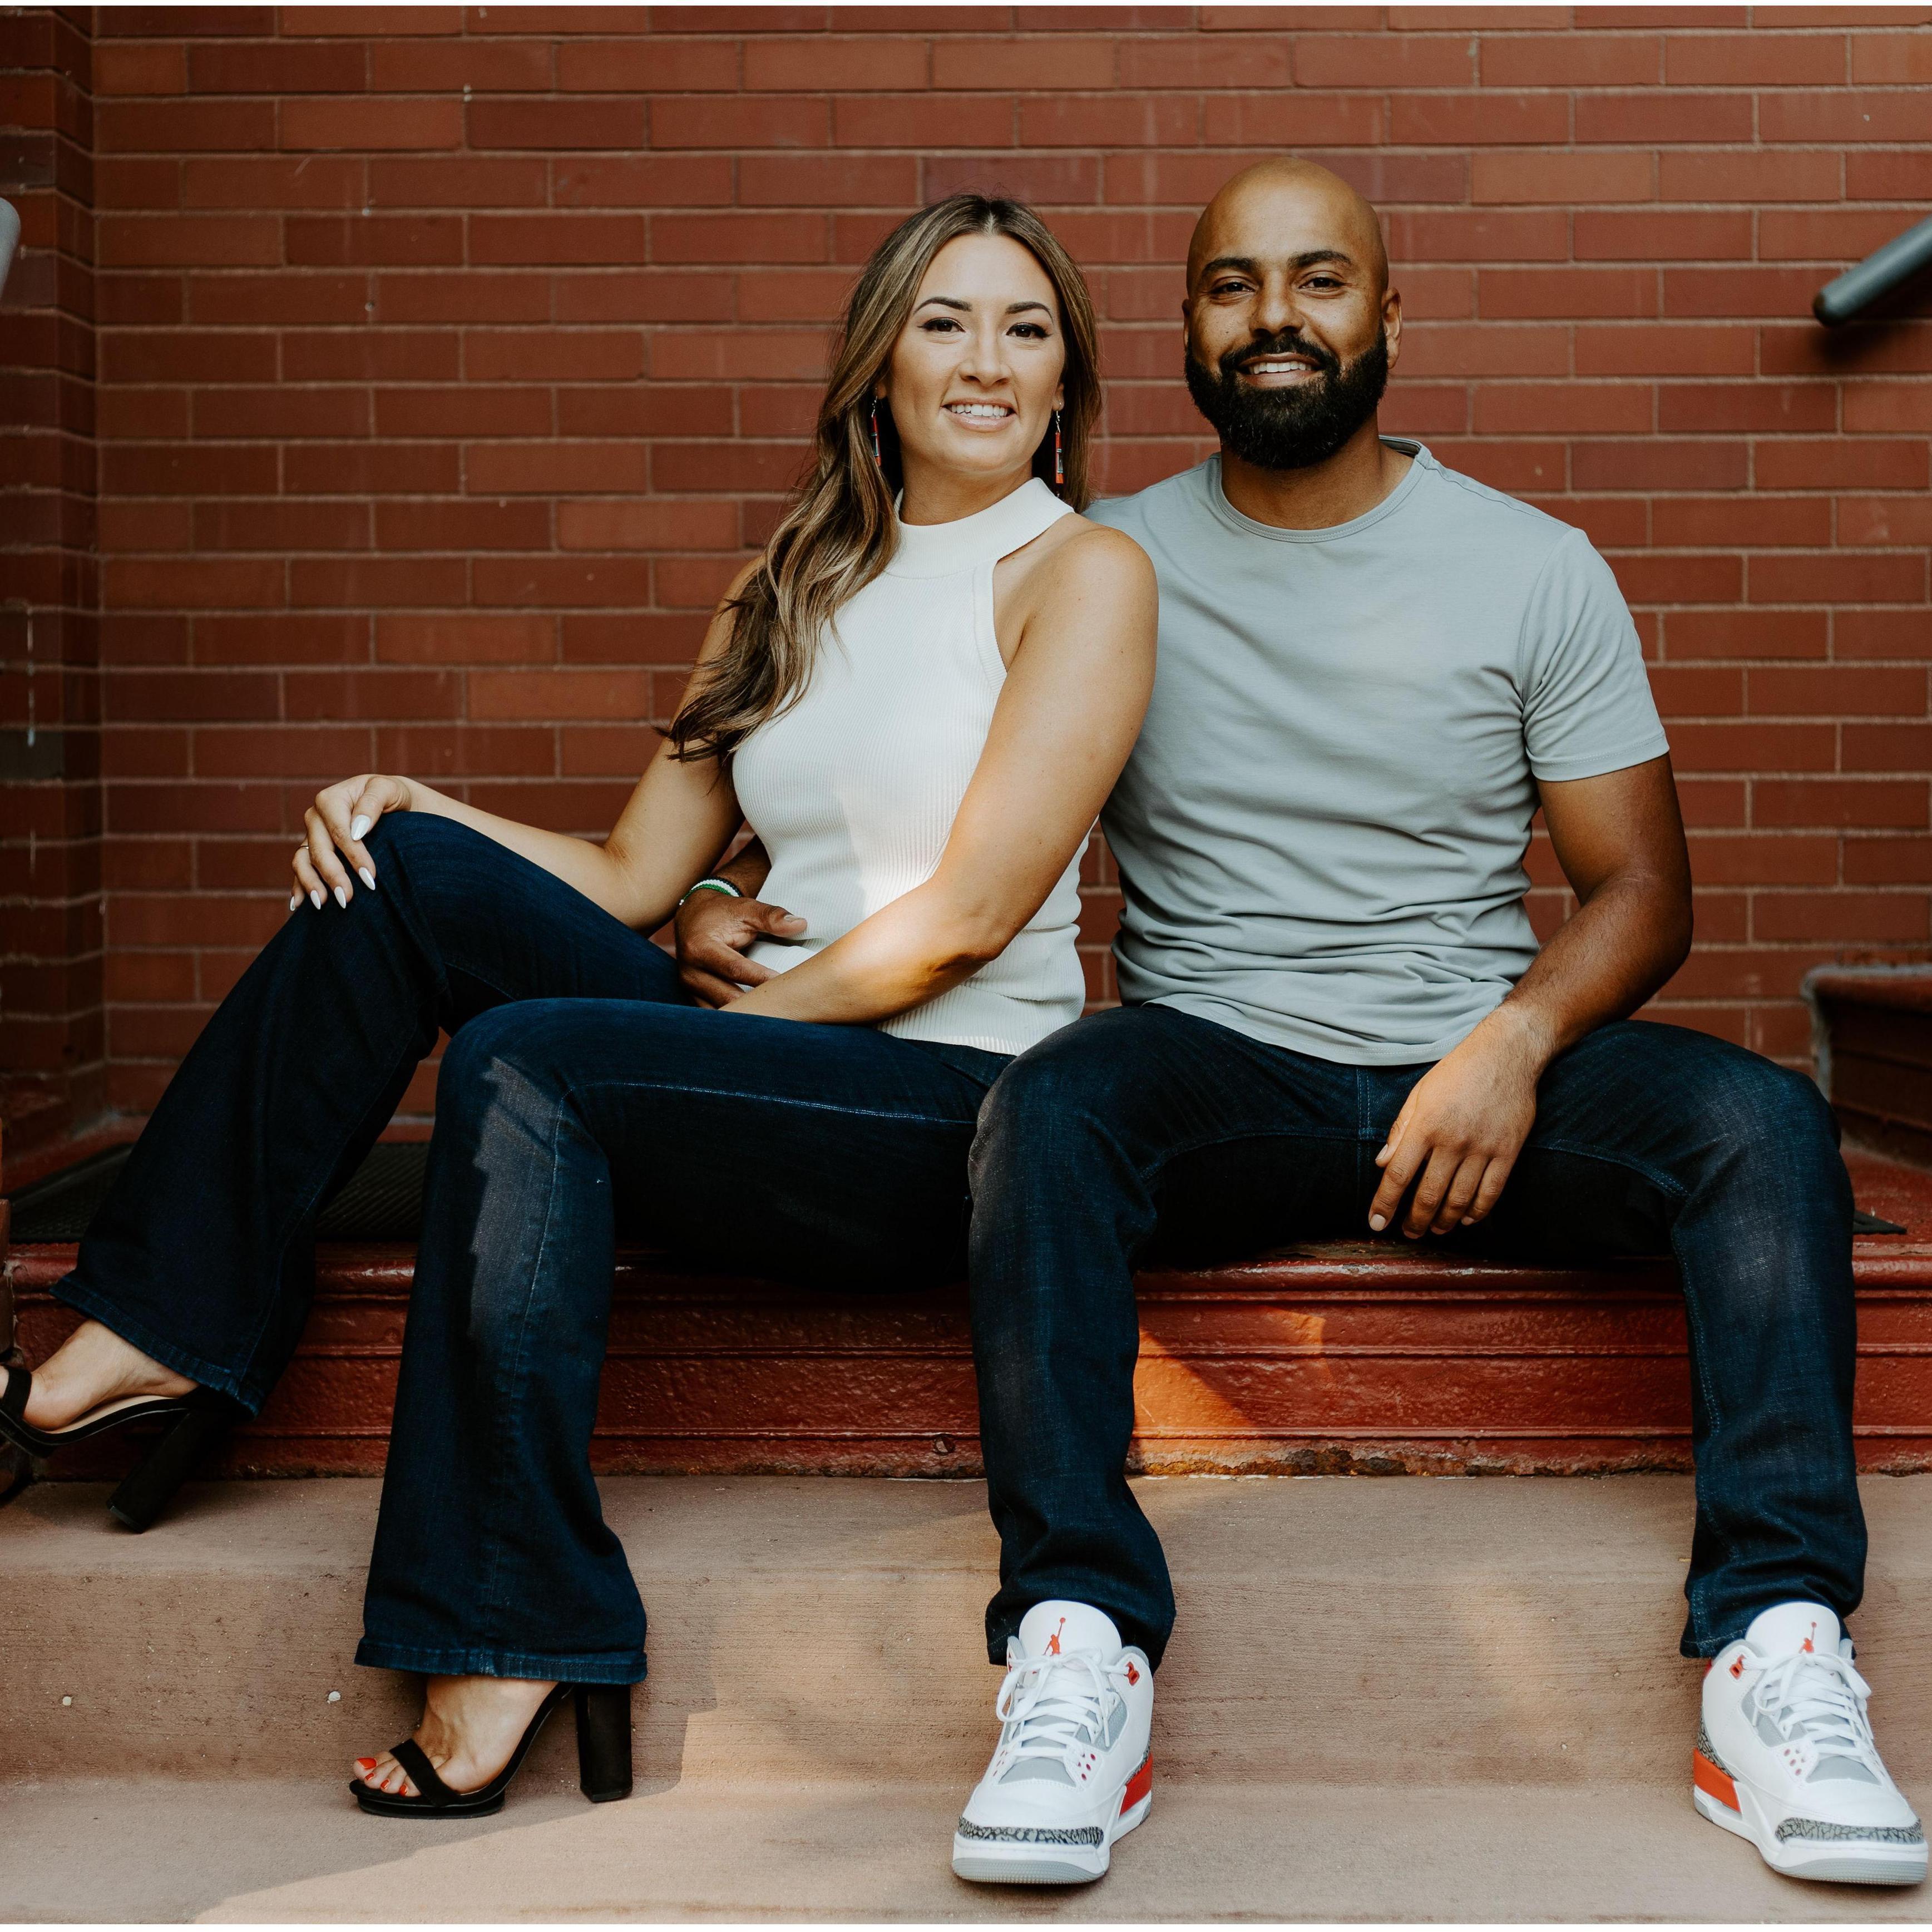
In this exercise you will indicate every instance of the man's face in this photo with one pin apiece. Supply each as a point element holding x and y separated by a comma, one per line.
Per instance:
<point>1290,331</point>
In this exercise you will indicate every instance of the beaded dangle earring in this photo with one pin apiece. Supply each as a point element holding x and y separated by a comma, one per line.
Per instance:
<point>878,455</point>
<point>1059,461</point>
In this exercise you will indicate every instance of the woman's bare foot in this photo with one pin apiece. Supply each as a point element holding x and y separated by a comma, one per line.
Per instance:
<point>468,1729</point>
<point>92,1366</point>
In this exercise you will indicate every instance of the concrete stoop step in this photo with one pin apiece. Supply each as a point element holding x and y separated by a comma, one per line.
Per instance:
<point>1416,1698</point>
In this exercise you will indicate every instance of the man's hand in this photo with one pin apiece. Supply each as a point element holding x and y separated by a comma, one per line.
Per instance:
<point>1462,1127</point>
<point>713,932</point>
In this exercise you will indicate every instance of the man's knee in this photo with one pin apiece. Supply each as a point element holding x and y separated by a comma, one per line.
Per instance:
<point>1741,1104</point>
<point>1073,1080</point>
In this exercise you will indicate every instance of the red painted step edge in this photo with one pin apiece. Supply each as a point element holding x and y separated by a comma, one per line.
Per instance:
<point>1330,1357</point>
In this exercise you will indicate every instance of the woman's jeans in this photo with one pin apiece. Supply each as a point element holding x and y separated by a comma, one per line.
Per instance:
<point>1147,1129</point>
<point>579,1082</point>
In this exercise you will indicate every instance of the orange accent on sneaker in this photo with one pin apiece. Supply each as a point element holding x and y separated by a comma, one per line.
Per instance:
<point>1139,1785</point>
<point>1133,1675</point>
<point>1712,1782</point>
<point>1738,1665</point>
<point>1053,1642</point>
<point>1806,1644</point>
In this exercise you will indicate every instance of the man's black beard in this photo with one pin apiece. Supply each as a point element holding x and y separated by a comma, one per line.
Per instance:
<point>1293,428</point>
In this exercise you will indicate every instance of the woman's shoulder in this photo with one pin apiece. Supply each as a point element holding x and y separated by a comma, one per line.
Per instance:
<point>1085,555</point>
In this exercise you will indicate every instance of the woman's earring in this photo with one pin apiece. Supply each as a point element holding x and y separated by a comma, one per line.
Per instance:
<point>1059,462</point>
<point>877,454</point>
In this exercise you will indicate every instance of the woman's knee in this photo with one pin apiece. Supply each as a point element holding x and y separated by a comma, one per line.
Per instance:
<point>502,1057</point>
<point>425,844</point>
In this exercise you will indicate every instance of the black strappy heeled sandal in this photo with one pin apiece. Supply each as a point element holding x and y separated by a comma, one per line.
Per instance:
<point>603,1761</point>
<point>199,1418</point>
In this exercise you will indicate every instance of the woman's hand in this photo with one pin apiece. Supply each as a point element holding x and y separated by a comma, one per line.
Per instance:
<point>341,817</point>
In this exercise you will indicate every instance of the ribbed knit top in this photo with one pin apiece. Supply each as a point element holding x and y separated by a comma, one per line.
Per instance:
<point>854,788</point>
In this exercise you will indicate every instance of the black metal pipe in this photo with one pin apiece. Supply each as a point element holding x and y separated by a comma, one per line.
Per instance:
<point>1878,274</point>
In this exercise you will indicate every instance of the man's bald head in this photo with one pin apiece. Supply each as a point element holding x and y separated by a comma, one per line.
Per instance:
<point>1291,327</point>
<point>1286,205</point>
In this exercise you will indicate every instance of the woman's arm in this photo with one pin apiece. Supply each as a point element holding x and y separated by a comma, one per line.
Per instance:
<point>1067,717</point>
<point>675,823</point>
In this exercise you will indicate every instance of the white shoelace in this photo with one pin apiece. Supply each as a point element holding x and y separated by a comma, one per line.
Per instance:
<point>1059,1705</point>
<point>1819,1697</point>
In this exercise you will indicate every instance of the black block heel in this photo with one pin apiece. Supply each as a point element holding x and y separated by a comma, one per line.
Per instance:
<point>151,1486</point>
<point>604,1741</point>
<point>603,1760</point>
<point>195,1420</point>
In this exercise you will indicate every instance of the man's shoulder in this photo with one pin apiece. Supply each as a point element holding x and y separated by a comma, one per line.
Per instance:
<point>1484,515</point>
<point>1171,496</point>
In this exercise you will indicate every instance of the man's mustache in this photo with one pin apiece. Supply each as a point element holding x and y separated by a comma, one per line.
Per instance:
<point>1292,344</point>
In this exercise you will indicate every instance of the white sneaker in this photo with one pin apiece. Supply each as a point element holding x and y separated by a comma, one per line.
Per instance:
<point>1785,1756</point>
<point>1071,1771</point>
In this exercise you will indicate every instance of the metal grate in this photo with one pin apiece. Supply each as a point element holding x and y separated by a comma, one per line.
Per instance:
<point>383,1202</point>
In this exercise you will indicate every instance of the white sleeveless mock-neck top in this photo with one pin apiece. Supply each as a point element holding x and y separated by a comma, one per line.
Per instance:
<point>853,788</point>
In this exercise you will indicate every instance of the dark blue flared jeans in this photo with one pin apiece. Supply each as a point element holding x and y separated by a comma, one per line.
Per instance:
<point>1145,1129</point>
<point>580,1087</point>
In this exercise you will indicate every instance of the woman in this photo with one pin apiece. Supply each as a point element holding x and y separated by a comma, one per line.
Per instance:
<point>919,713</point>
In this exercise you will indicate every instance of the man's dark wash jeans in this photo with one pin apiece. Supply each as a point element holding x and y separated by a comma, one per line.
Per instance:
<point>1145,1128</point>
<point>577,1076</point>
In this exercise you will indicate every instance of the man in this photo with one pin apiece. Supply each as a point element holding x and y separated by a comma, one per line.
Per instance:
<point>1373,672</point>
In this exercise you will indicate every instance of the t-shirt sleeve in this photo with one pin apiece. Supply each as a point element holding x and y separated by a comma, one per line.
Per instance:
<point>1587,705</point>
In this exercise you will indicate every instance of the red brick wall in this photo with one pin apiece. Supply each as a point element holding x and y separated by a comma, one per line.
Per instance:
<point>52,1040</point>
<point>450,361</point>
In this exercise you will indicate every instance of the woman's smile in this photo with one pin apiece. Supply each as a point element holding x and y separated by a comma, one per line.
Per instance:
<point>982,415</point>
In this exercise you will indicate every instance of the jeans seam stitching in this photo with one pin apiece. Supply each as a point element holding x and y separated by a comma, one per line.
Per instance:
<point>1664,1183</point>
<point>576,1088</point>
<point>1668,1185</point>
<point>487,1596</point>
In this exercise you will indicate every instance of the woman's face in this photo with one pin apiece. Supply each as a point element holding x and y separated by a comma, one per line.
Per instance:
<point>974,377</point>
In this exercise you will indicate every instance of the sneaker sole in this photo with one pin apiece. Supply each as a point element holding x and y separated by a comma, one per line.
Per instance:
<point>1838,1861</point>
<point>979,1863</point>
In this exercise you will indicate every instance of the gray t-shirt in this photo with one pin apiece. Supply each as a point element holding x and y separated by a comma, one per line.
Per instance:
<point>1322,830</point>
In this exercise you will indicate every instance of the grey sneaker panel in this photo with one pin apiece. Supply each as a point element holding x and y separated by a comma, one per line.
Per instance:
<point>1031,1834</point>
<point>1708,1749</point>
<point>1869,1834</point>
<point>1037,1771</point>
<point>1844,1770</point>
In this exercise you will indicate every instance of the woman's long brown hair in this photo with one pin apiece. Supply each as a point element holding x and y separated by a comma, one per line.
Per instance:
<point>837,536</point>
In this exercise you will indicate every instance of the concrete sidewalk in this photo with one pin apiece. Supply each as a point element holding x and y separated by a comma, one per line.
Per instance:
<point>281,1851</point>
<point>1409,1699</point>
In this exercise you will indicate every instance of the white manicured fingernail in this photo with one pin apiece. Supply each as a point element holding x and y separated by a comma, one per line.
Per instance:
<point>367,877</point>
<point>362,822</point>
<point>1378,1222</point>
<point>295,900</point>
<point>315,898</point>
<point>342,896</point>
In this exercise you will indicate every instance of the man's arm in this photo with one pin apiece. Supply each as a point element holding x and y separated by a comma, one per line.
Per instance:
<point>1620,841</point>
<point>713,930</point>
